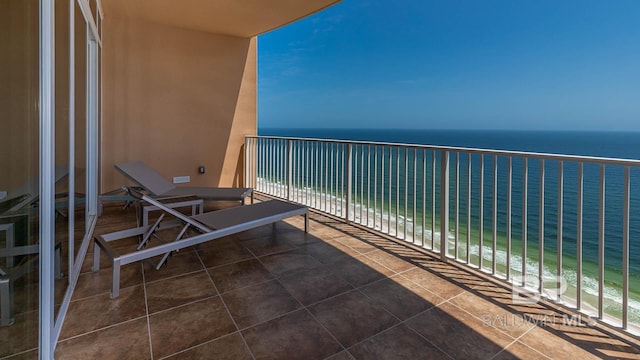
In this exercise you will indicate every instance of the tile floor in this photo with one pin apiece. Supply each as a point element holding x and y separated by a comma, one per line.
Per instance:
<point>339,292</point>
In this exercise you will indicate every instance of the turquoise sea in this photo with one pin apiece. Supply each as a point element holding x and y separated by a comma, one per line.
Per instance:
<point>624,145</point>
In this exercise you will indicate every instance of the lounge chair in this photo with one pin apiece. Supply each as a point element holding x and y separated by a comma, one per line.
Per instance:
<point>211,225</point>
<point>17,206</point>
<point>158,186</point>
<point>9,275</point>
<point>29,193</point>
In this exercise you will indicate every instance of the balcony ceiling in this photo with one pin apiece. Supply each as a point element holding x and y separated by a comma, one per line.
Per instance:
<point>244,18</point>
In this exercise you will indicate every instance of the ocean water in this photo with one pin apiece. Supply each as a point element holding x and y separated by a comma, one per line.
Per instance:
<point>600,144</point>
<point>625,145</point>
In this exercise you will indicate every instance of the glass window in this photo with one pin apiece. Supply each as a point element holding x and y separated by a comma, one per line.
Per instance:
<point>62,148</point>
<point>80,123</point>
<point>19,182</point>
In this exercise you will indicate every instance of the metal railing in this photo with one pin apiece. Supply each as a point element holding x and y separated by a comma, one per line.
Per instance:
<point>528,218</point>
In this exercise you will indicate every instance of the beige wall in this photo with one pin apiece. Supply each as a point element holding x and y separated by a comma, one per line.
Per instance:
<point>175,99</point>
<point>19,92</point>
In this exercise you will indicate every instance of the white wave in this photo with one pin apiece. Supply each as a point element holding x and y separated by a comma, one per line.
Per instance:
<point>612,296</point>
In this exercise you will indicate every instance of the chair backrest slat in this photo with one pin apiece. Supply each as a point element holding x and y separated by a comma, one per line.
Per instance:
<point>148,178</point>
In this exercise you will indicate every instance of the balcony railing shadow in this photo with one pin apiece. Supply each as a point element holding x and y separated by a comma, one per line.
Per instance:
<point>506,312</point>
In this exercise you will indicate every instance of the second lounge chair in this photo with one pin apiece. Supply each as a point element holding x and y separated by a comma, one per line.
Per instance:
<point>158,186</point>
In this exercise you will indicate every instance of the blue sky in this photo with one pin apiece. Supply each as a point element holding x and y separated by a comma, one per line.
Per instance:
<point>455,64</point>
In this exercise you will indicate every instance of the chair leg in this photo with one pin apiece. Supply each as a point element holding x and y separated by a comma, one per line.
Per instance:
<point>166,256</point>
<point>96,256</point>
<point>115,279</point>
<point>100,206</point>
<point>147,235</point>
<point>10,239</point>
<point>6,302</point>
<point>58,263</point>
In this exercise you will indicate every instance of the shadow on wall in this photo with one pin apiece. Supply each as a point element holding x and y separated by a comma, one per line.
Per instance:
<point>238,179</point>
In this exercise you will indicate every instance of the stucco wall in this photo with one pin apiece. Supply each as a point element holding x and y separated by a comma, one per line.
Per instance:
<point>175,99</point>
<point>19,92</point>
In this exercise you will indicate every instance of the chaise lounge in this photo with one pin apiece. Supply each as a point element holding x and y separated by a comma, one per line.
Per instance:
<point>211,225</point>
<point>158,186</point>
<point>28,193</point>
<point>15,207</point>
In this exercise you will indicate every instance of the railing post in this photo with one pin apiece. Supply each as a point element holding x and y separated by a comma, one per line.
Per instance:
<point>289,167</point>
<point>349,180</point>
<point>625,248</point>
<point>444,204</point>
<point>246,161</point>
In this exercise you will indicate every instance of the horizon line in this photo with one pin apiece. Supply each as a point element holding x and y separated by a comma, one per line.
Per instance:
<point>449,129</point>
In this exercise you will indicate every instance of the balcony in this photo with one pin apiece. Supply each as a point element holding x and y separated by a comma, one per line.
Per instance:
<point>342,291</point>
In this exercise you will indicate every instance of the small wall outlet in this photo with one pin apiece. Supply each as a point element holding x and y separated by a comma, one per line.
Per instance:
<point>201,169</point>
<point>181,179</point>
